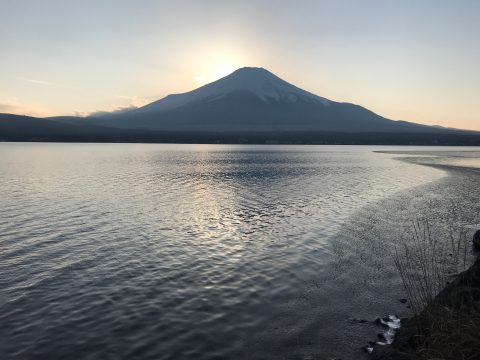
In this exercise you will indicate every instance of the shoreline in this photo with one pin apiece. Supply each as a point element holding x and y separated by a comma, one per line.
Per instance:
<point>361,250</point>
<point>418,336</point>
<point>440,159</point>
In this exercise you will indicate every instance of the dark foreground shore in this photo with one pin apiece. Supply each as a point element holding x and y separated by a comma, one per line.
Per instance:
<point>448,328</point>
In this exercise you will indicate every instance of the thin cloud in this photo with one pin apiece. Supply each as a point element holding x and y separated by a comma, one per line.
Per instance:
<point>46,83</point>
<point>40,82</point>
<point>133,101</point>
<point>115,110</point>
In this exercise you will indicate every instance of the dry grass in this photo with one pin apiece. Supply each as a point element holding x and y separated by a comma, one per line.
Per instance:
<point>427,264</point>
<point>451,334</point>
<point>443,330</point>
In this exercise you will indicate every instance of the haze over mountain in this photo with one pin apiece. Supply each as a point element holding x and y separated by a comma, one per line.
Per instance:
<point>251,103</point>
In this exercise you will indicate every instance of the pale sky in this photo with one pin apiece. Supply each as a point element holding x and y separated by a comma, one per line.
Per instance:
<point>416,60</point>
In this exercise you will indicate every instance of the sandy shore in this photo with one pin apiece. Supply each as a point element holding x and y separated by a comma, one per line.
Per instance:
<point>363,250</point>
<point>462,296</point>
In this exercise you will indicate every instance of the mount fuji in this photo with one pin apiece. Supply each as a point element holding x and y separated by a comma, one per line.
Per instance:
<point>251,105</point>
<point>254,99</point>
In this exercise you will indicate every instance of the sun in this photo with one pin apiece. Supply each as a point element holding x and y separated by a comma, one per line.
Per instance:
<point>215,72</point>
<point>223,70</point>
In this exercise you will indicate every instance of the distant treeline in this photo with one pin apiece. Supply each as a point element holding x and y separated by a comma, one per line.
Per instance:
<point>328,138</point>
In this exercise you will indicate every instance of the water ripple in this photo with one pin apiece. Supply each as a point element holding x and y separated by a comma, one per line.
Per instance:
<point>172,251</point>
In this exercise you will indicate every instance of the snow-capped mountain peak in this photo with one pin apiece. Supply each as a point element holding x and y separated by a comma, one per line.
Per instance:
<point>257,81</point>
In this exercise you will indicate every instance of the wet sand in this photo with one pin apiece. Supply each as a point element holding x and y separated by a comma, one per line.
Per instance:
<point>364,247</point>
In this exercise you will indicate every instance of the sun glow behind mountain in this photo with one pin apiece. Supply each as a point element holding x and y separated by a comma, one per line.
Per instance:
<point>383,54</point>
<point>215,72</point>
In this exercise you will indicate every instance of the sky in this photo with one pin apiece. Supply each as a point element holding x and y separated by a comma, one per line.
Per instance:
<point>416,60</point>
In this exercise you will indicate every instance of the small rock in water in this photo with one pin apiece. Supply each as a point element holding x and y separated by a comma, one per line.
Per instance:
<point>368,349</point>
<point>391,323</point>
<point>403,301</point>
<point>382,321</point>
<point>360,321</point>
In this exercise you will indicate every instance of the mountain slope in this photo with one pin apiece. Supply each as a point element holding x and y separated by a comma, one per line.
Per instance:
<point>254,99</point>
<point>15,124</point>
<point>68,128</point>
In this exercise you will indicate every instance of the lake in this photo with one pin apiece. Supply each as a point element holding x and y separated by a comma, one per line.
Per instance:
<point>152,251</point>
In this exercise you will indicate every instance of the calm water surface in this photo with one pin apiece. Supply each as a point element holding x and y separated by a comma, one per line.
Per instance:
<point>128,251</point>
